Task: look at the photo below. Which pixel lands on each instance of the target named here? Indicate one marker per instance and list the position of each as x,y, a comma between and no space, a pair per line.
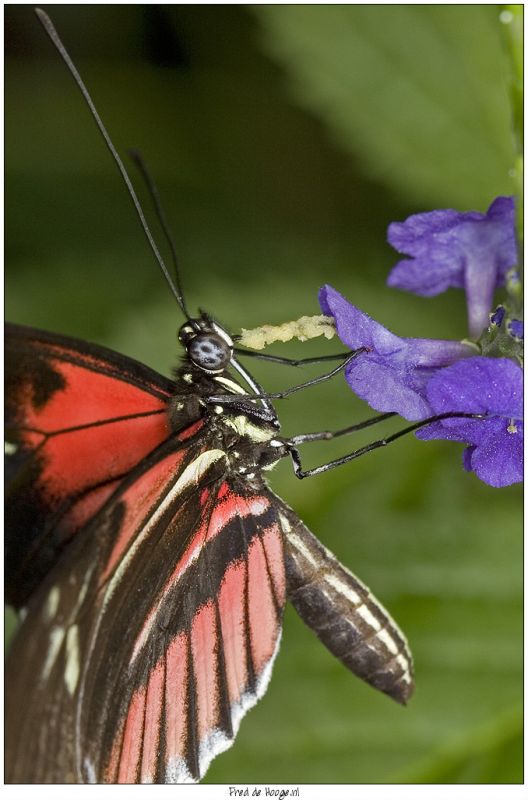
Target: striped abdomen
343,613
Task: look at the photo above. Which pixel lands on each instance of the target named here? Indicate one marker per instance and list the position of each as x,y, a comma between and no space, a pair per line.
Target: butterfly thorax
249,446
242,428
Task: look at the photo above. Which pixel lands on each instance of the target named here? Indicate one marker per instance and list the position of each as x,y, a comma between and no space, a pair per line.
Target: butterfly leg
304,438
287,392
292,362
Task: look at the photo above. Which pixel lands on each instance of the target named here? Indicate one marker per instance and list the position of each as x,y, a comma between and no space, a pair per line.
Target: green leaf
416,93
492,753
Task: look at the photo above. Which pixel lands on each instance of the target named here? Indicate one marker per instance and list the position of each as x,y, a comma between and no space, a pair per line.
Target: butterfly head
209,347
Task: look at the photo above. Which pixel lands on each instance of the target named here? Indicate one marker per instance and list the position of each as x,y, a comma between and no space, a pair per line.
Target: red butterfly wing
152,633
78,418
143,649
219,609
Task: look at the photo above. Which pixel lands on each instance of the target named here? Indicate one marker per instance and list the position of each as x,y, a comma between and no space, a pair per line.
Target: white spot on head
71,673
180,406
218,409
188,378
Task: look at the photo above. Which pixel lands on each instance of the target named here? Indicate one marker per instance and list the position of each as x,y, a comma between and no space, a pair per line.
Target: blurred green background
284,139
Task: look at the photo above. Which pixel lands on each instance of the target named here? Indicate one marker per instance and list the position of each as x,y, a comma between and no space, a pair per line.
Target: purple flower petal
492,386
354,327
443,271
461,250
499,459
497,316
394,374
384,388
516,329
478,385
461,429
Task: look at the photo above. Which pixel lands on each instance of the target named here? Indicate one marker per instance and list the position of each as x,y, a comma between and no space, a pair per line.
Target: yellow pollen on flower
512,427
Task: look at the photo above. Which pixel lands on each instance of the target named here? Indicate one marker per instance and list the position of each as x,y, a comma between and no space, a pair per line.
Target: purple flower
470,251
516,329
497,316
393,374
479,385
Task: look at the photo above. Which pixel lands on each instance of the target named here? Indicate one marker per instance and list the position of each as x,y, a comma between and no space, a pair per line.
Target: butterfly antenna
54,36
140,163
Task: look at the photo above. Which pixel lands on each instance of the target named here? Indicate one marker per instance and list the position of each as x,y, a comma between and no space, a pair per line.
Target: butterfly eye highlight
209,352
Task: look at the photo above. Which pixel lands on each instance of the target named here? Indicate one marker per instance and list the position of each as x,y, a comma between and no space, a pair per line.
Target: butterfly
151,562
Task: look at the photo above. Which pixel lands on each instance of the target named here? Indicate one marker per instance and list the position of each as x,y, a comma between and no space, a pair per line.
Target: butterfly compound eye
209,351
